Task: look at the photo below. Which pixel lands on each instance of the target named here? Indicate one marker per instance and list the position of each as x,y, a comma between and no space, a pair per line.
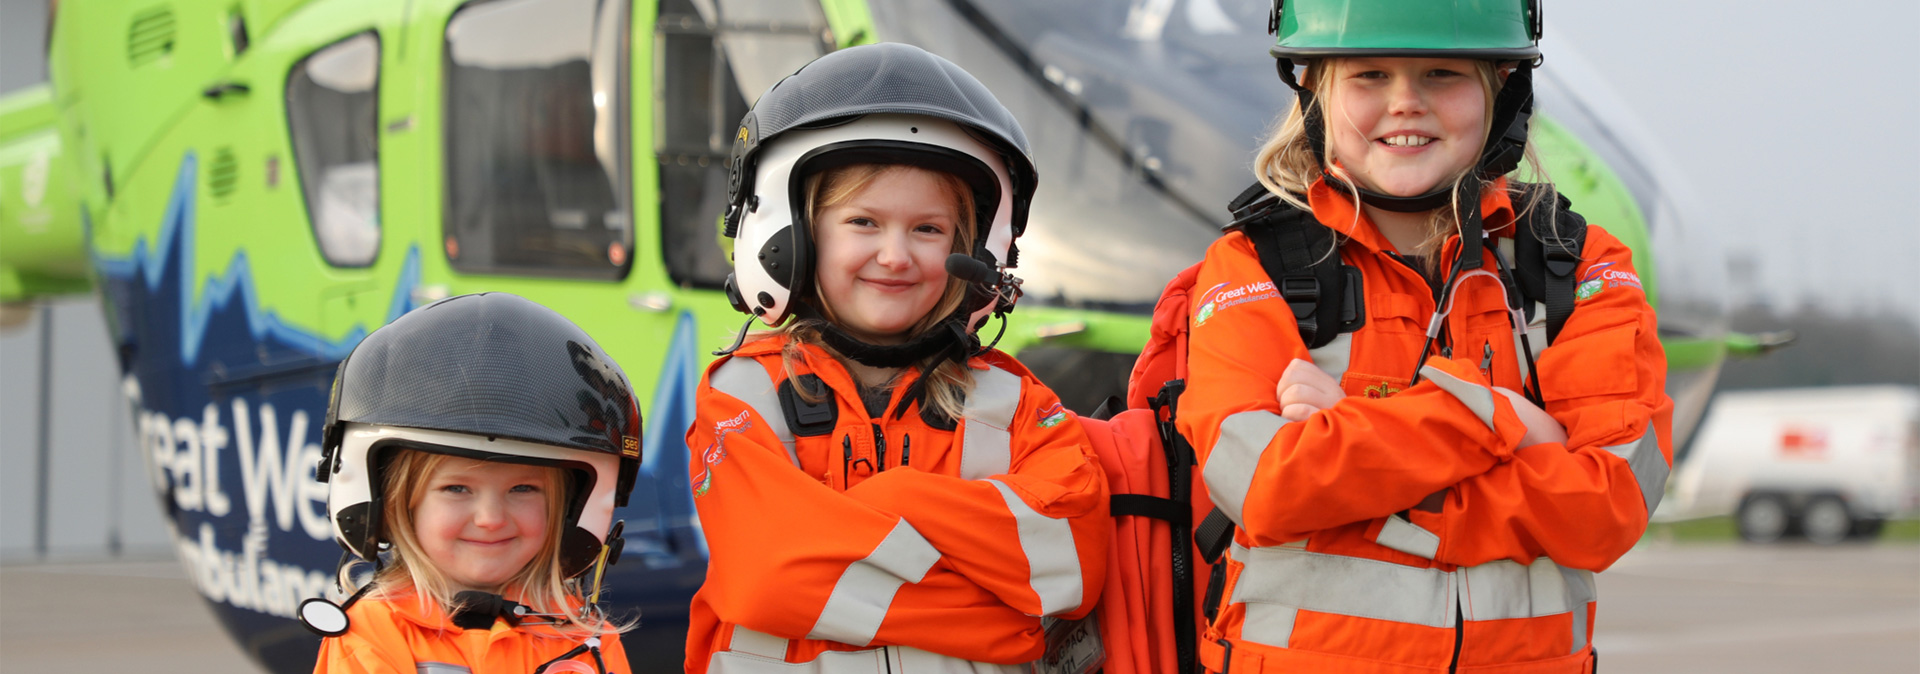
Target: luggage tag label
1073,647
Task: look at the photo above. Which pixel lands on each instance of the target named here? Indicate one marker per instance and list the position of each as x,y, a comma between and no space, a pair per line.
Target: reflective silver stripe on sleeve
1333,358
1052,560
757,643
1649,466
439,668
744,379
890,660
1476,397
986,448
1353,586
1506,589
1229,471
1579,628
1344,585
910,660
1269,624
1408,537
860,598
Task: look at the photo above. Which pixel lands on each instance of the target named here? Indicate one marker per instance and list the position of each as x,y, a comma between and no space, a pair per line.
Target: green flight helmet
1495,30
1506,31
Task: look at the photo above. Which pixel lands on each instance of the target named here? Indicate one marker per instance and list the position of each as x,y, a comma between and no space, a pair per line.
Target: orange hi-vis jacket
855,544
396,636
1336,565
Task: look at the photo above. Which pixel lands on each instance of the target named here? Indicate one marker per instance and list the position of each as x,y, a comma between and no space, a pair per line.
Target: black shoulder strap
1299,256
1547,253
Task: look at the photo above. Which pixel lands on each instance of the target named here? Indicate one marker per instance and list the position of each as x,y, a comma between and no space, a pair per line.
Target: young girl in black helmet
475,451
1423,485
879,492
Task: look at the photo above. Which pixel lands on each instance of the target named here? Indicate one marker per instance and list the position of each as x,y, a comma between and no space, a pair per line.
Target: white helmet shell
774,254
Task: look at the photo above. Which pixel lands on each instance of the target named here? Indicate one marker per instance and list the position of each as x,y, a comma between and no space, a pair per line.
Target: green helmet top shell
1475,29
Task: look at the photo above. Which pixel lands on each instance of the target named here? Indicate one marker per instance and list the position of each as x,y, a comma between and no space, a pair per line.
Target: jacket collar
816,360
427,614
1334,209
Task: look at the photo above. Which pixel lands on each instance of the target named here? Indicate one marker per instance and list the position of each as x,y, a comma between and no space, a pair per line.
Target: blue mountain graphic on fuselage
174,252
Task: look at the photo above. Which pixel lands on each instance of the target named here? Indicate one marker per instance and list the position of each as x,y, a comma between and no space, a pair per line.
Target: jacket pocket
1593,364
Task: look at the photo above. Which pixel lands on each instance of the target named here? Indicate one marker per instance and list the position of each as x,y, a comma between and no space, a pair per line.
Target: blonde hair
947,384
541,586
1286,165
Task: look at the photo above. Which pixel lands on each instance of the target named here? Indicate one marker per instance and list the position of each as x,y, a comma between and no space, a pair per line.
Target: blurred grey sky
1794,123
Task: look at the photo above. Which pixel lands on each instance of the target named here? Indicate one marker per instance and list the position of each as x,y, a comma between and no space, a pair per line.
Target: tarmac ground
1695,608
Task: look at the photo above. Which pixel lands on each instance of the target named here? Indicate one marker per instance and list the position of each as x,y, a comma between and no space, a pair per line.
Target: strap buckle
1302,293
1562,254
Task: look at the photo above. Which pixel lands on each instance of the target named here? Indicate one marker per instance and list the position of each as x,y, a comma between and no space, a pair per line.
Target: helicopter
252,186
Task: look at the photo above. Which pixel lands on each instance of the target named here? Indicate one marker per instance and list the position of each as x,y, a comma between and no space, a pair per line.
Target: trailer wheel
1763,518
1826,520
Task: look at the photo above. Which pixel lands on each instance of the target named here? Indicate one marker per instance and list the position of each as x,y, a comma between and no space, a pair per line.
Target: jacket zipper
1459,637
880,446
906,446
846,461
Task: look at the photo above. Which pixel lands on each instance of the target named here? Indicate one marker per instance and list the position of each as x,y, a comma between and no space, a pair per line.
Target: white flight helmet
874,104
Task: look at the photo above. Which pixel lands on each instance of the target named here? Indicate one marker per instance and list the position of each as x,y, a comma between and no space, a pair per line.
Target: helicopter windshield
1144,117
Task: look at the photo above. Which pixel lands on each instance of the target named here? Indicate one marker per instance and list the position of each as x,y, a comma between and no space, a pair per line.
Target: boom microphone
968,269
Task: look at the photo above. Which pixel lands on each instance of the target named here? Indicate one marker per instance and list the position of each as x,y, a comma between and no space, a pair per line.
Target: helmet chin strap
1505,147
943,337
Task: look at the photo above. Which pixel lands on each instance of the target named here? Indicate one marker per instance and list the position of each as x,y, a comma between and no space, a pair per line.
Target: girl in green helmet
1432,489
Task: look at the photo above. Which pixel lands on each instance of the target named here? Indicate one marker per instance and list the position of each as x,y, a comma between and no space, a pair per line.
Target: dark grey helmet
490,376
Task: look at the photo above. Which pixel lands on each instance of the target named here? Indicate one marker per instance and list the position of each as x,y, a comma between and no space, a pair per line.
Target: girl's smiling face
481,522
1402,126
882,252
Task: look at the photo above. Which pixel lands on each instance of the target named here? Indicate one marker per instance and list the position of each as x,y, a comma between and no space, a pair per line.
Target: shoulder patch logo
716,453
1603,276
1052,416
1218,298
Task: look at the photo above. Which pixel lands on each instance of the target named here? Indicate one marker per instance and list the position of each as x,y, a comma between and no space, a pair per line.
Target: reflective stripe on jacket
1334,568
849,546
396,636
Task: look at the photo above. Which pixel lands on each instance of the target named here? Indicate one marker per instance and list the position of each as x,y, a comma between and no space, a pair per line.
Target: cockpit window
536,139
331,104
716,58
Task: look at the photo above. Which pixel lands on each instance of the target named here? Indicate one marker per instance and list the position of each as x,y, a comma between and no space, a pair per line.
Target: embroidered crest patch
1601,277
1381,390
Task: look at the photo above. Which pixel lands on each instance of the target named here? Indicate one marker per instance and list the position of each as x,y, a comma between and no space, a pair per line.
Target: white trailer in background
1825,463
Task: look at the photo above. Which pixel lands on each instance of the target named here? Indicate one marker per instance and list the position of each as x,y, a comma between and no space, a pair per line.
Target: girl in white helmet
878,491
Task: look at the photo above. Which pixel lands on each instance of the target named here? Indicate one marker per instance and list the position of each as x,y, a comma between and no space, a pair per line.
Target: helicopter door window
535,146
330,106
716,57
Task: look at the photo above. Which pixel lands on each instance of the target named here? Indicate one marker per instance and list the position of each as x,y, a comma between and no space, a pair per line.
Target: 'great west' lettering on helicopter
252,187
